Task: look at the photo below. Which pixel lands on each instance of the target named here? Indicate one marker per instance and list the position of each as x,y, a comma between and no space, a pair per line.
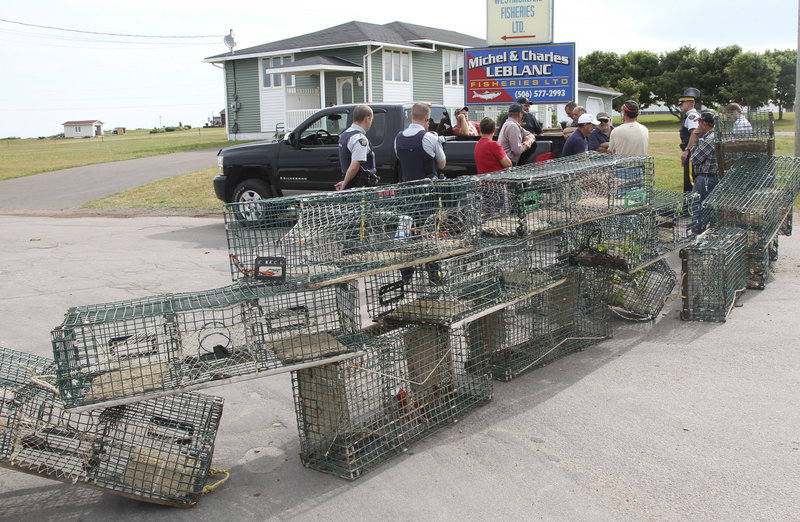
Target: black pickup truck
307,158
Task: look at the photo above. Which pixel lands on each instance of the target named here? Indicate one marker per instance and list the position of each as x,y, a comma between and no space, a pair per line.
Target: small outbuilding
83,128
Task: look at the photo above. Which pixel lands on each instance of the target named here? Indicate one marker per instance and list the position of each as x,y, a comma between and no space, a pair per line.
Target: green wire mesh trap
757,264
413,380
320,237
755,195
453,289
640,295
537,330
157,451
714,272
537,197
163,344
754,133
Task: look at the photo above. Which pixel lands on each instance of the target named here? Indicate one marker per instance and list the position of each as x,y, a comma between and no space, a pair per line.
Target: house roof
82,122
588,87
396,34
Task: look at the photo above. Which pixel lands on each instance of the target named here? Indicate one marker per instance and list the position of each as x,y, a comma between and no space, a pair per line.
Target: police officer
691,118
355,151
419,151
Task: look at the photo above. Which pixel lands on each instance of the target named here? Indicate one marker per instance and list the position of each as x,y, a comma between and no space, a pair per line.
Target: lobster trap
531,198
327,236
714,273
157,451
539,329
750,133
453,289
640,295
114,352
757,263
756,195
413,380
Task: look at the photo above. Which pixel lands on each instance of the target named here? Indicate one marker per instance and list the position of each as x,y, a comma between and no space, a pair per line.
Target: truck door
313,160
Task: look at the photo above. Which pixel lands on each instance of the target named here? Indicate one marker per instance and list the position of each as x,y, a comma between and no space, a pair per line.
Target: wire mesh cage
163,344
321,237
453,289
532,198
413,380
673,213
537,330
640,295
714,273
757,262
158,451
739,134
756,195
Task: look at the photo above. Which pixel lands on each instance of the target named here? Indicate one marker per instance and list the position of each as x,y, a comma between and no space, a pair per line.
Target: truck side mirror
291,139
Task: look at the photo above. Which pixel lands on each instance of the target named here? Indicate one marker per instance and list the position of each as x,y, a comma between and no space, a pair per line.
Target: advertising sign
498,75
519,22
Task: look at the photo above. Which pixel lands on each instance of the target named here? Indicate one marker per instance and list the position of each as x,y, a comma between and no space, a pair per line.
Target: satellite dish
229,41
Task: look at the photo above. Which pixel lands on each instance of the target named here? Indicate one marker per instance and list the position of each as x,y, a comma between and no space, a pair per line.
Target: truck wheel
252,189
248,193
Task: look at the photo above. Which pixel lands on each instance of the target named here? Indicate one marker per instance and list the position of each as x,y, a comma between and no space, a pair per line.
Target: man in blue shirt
577,142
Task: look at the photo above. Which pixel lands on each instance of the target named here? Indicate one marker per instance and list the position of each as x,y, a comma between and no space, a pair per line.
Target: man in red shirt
489,155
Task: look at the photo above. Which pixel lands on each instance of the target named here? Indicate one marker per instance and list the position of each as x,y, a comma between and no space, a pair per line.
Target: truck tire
247,194
252,189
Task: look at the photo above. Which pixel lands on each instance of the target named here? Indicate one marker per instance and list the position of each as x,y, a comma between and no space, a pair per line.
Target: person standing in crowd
489,155
704,161
568,108
529,121
513,138
464,126
688,132
420,153
577,111
355,150
577,142
631,137
741,127
598,139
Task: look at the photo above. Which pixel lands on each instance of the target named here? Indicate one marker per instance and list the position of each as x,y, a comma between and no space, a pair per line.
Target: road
70,188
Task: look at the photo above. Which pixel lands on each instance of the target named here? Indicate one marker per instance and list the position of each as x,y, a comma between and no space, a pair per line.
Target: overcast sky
51,76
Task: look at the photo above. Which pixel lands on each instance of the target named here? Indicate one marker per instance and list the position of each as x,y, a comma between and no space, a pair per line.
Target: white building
83,128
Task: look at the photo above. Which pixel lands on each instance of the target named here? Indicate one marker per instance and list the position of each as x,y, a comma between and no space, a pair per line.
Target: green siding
354,55
247,88
377,76
428,81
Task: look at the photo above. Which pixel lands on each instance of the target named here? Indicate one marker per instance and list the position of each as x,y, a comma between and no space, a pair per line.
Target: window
396,66
274,79
453,65
325,130
77,129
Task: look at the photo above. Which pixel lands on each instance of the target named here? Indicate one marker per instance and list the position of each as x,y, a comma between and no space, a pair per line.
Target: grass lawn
29,156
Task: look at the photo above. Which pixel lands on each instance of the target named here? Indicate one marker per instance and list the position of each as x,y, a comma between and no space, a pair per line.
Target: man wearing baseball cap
513,138
631,137
529,121
577,142
464,126
704,161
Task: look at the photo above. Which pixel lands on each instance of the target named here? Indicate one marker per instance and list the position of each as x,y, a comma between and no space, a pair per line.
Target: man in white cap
577,142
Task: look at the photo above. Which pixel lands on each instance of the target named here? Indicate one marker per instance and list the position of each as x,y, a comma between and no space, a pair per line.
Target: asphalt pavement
71,188
669,420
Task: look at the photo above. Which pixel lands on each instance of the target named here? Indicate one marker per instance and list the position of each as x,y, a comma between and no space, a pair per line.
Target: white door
344,90
594,105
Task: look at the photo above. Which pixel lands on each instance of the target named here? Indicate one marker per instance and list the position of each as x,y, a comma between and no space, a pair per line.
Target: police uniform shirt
691,121
358,145
430,143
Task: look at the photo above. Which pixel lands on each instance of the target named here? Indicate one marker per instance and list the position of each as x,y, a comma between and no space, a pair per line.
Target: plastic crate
714,273
116,352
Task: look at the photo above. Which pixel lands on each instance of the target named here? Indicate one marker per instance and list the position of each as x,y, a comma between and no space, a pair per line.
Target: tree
678,71
752,79
631,90
784,94
639,68
712,78
599,68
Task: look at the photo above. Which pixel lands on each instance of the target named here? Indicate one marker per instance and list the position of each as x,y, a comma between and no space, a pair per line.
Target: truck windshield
438,116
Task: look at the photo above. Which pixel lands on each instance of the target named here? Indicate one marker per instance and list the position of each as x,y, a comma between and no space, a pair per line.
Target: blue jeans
703,185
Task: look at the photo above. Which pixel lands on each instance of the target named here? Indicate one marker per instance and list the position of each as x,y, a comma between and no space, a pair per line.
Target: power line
110,34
